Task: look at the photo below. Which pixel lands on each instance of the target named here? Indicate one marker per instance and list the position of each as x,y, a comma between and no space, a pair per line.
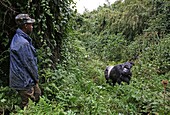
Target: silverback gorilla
118,73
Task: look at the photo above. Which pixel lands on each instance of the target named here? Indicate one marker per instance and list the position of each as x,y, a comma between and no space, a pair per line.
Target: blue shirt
23,62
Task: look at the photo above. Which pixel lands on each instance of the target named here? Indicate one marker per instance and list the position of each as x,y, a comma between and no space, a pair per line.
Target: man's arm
27,57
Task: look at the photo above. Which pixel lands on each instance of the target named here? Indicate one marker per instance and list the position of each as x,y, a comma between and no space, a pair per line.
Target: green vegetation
74,49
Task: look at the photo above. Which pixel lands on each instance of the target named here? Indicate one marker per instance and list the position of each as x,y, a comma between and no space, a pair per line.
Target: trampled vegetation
73,51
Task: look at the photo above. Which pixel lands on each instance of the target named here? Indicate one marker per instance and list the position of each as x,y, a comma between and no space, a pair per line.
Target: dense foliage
126,30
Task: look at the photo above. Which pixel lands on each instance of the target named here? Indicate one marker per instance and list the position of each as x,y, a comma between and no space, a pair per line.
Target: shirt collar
22,33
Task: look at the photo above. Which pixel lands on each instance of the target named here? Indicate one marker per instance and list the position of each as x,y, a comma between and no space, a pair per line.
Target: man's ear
25,26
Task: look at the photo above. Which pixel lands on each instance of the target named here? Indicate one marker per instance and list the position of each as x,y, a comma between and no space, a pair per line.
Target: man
23,62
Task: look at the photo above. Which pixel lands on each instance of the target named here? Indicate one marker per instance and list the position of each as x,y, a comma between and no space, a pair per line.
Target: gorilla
118,73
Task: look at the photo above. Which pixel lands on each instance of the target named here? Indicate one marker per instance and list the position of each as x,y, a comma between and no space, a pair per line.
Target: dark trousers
33,93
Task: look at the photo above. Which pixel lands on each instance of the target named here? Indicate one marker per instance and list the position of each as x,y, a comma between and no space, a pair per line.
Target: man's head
25,22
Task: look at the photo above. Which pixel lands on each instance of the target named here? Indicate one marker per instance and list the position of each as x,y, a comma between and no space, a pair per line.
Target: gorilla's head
128,65
127,68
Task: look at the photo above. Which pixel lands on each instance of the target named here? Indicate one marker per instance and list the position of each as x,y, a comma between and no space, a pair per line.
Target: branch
7,6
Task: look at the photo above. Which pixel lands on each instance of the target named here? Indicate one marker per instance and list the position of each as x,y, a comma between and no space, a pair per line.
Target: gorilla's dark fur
118,73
